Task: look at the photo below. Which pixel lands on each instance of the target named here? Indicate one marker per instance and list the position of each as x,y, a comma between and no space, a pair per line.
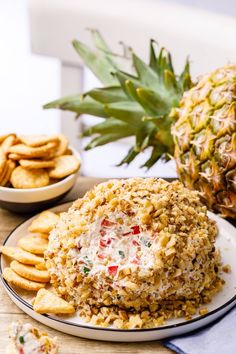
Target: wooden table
68,344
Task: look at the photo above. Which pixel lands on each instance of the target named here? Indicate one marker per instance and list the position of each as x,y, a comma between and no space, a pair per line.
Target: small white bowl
35,199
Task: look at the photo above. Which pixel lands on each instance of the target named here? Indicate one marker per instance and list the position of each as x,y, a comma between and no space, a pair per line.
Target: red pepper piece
103,243
127,233
102,233
101,256
107,223
112,270
21,351
135,243
136,230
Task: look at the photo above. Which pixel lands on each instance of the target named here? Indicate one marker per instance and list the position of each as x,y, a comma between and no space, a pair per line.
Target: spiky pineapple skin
205,140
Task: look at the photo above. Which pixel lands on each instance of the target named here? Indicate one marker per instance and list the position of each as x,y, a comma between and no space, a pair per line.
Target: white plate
222,302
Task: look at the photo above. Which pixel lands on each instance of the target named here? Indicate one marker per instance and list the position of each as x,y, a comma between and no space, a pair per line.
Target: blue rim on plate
177,325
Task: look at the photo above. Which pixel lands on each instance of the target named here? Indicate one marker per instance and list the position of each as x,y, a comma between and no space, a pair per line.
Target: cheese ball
134,244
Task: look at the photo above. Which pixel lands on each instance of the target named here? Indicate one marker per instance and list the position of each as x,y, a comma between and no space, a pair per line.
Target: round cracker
11,277
24,179
36,140
44,222
41,266
36,164
8,142
4,172
13,156
35,244
3,137
33,152
30,272
21,255
10,166
3,160
65,165
62,147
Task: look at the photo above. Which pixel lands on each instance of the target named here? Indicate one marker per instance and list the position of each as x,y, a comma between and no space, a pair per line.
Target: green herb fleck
21,340
147,243
88,260
121,253
86,270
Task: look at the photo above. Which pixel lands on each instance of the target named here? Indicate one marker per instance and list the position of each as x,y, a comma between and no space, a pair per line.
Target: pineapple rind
205,139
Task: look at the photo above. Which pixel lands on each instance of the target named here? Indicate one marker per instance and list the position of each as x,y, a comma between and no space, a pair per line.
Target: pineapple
194,123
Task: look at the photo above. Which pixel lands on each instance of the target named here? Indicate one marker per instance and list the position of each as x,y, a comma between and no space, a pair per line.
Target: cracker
47,302
23,178
3,137
10,166
41,266
44,223
8,142
65,166
38,140
11,277
33,152
30,272
4,172
3,160
35,245
41,234
62,147
16,157
36,164
21,255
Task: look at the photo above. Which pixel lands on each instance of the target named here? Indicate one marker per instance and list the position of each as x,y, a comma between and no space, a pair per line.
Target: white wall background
26,81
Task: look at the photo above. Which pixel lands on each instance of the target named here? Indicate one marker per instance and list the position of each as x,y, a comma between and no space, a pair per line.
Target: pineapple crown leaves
132,104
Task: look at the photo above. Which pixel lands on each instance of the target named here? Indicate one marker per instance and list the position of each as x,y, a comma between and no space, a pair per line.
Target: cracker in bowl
22,178
64,166
37,154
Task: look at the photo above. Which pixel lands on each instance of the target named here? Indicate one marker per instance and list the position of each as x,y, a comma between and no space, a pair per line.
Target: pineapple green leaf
157,153
104,139
84,106
97,62
143,135
62,101
185,82
129,157
139,104
164,62
147,75
169,63
153,102
123,77
170,80
131,88
102,46
154,119
108,94
152,56
129,112
111,125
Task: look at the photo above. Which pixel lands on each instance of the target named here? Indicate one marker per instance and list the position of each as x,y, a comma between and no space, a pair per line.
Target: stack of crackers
35,161
27,269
